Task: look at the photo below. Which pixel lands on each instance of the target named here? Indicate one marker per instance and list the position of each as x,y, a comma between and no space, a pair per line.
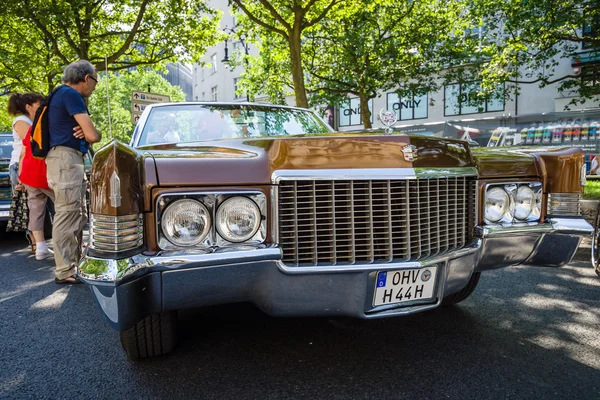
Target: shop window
590,77
350,112
462,99
408,107
591,30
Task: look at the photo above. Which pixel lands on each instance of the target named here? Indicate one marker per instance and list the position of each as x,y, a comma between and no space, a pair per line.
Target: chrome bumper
129,289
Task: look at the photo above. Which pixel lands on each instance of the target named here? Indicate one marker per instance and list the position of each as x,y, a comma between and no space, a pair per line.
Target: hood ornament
115,190
410,152
388,118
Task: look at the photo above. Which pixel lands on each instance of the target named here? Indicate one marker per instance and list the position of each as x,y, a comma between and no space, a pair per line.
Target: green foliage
406,46
592,190
522,41
120,88
40,37
5,118
285,22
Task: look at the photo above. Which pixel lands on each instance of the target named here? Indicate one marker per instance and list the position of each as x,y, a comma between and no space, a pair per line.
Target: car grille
335,222
115,234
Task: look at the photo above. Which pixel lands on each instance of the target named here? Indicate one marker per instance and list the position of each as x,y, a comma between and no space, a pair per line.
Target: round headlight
496,204
185,222
524,202
238,219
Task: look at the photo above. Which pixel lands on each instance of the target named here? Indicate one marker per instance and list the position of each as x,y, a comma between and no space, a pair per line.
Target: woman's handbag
18,219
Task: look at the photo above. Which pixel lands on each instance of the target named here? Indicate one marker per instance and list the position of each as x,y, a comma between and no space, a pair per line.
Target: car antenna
108,99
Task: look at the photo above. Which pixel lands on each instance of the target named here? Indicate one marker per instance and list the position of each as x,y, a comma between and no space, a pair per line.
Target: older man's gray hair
76,71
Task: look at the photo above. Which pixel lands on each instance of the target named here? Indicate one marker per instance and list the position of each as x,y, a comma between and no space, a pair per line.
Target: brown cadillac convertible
215,203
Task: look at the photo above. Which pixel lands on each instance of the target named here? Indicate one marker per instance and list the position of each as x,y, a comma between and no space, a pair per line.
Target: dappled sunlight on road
555,308
7,295
55,300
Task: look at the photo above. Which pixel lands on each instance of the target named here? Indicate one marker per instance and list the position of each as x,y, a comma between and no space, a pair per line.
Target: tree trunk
297,70
365,114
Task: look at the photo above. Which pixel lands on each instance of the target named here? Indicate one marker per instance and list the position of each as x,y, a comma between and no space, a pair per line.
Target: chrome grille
564,204
373,221
114,234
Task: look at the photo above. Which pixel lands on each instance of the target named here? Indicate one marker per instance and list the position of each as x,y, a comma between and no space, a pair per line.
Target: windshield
6,146
195,122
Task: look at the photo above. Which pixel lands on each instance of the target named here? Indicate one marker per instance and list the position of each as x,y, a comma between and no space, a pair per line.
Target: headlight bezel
512,190
211,200
205,231
220,229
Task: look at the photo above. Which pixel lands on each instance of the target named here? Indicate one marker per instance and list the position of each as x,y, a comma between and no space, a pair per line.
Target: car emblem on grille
410,152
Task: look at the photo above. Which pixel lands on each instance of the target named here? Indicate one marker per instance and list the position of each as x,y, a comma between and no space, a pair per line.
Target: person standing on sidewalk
23,107
70,131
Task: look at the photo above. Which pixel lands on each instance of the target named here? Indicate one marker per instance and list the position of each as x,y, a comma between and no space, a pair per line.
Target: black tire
464,293
153,336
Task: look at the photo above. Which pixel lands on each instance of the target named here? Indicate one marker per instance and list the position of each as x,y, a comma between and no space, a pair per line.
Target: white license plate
4,213
392,287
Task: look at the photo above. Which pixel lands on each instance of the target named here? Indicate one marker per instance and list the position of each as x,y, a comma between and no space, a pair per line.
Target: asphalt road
526,333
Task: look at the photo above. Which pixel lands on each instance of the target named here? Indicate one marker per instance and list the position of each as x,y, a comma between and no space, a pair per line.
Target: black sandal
69,280
31,240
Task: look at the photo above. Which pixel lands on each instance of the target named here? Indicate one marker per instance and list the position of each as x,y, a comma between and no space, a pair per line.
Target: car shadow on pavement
527,341
526,332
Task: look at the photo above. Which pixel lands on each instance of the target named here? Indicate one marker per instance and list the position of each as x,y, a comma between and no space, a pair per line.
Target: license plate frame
404,285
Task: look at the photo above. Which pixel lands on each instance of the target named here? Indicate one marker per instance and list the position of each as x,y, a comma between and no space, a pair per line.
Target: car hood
253,161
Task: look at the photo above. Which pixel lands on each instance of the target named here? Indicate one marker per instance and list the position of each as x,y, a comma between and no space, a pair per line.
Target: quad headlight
185,222
513,203
238,219
211,220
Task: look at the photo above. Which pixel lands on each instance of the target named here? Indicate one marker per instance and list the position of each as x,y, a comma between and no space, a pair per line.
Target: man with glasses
71,131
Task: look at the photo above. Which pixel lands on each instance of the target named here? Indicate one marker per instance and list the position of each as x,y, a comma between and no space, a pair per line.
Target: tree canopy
40,37
290,19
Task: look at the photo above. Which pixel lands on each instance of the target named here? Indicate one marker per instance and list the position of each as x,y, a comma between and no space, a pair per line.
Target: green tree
522,42
290,19
382,46
120,87
40,37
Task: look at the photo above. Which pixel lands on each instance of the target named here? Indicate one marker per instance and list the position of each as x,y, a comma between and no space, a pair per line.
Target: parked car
6,146
230,203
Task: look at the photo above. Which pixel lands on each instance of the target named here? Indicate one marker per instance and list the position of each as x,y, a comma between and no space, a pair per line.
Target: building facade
180,75
218,82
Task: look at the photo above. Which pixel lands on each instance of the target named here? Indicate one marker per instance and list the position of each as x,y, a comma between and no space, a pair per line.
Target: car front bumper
129,289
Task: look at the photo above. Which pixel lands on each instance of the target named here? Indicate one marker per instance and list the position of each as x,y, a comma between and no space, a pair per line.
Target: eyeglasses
94,79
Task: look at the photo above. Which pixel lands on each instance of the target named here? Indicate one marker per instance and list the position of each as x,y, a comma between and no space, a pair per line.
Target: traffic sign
139,101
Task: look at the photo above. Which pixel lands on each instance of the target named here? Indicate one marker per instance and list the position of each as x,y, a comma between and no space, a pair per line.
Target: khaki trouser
67,179
36,201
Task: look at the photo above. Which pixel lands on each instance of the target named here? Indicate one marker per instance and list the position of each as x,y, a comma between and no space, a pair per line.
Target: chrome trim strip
380,266
370,173
572,226
92,269
431,173
342,174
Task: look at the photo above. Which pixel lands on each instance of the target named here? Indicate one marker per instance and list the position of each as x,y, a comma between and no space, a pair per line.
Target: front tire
464,293
153,336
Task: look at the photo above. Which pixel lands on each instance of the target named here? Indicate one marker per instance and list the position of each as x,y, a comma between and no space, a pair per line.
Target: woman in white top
23,106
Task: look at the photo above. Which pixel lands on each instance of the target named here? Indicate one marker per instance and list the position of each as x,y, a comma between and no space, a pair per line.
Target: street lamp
242,39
